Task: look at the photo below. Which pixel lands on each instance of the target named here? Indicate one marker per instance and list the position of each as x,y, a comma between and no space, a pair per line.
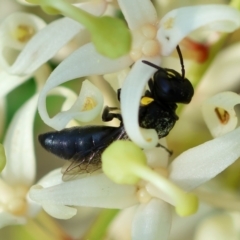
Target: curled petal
116,79
131,93
87,106
219,114
178,23
138,12
200,164
19,146
93,191
152,221
90,102
7,219
60,211
83,62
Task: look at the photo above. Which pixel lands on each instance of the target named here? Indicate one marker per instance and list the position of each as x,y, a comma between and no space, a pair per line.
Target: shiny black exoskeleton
84,145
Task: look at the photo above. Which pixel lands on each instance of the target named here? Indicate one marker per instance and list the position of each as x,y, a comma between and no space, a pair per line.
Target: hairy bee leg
170,152
108,116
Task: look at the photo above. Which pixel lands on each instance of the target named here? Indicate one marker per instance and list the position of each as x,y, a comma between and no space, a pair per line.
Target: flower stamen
89,104
23,33
222,115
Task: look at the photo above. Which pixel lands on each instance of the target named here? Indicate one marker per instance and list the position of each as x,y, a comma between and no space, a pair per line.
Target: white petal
83,62
9,82
77,111
219,114
52,178
186,226
19,146
44,45
88,90
138,12
60,211
178,23
93,191
7,219
24,2
120,227
131,93
152,221
225,66
199,164
116,79
96,8
33,208
157,157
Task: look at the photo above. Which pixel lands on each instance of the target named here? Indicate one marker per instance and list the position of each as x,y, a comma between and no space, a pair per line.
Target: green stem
185,203
99,228
68,10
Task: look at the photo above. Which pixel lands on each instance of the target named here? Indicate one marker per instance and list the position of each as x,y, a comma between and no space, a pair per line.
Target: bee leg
118,94
170,152
108,116
149,92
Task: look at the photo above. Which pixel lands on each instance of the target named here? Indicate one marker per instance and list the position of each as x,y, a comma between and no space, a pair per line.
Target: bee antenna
181,61
152,65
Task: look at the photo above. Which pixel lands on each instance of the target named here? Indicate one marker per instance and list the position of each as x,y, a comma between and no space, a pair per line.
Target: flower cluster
134,173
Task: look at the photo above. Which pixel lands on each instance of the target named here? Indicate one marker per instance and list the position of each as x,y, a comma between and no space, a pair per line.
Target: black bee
84,145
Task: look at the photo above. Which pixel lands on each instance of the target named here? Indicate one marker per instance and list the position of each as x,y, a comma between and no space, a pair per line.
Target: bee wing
81,167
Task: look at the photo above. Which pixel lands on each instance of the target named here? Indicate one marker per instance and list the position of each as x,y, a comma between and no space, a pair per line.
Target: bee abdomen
59,143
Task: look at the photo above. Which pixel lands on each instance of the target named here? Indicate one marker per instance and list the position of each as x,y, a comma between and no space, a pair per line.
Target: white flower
19,173
152,219
98,191
220,225
15,32
151,41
